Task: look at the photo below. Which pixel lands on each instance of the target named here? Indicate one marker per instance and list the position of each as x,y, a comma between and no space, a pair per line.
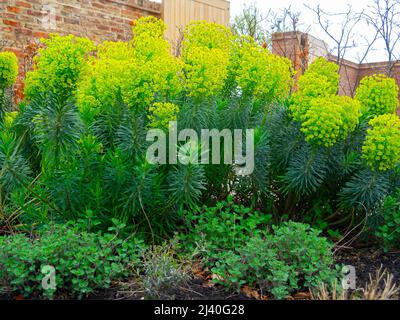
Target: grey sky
308,19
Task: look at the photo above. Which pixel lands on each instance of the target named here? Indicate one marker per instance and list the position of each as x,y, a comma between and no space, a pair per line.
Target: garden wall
23,22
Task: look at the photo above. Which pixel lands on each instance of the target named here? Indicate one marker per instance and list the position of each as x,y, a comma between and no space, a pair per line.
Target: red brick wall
23,22
351,74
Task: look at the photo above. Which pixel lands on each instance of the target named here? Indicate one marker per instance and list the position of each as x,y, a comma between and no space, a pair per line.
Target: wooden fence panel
178,13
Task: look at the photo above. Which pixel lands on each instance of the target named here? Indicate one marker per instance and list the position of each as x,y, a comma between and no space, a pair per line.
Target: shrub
83,262
381,149
8,69
378,95
320,79
389,230
223,227
293,257
58,66
207,35
235,243
206,70
102,81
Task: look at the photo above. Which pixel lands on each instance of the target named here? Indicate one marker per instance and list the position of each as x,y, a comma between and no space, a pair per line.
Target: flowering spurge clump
378,95
162,114
8,69
155,71
330,119
260,73
58,65
101,84
206,54
133,72
320,80
381,149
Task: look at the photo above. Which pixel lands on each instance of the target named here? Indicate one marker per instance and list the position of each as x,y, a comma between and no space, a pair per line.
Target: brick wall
24,22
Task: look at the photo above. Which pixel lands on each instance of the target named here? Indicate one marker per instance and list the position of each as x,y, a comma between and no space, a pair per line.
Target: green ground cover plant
84,262
241,247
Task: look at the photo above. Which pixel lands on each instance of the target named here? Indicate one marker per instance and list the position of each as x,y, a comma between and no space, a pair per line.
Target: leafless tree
285,20
384,17
252,22
345,38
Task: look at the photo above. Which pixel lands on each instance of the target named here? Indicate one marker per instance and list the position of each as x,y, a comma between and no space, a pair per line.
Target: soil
368,261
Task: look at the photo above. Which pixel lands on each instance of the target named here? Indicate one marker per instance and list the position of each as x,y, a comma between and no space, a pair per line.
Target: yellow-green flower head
381,149
115,50
378,95
330,119
161,114
135,72
148,38
159,76
58,65
261,73
206,53
208,35
9,118
101,83
206,71
8,69
319,80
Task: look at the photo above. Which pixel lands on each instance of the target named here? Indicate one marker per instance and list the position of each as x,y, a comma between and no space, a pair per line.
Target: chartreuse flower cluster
260,73
134,72
9,118
8,69
206,71
58,65
206,54
330,119
161,114
207,35
381,149
378,95
148,38
321,79
101,84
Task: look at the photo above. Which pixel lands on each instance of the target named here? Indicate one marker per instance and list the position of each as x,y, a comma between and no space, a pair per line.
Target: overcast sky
308,19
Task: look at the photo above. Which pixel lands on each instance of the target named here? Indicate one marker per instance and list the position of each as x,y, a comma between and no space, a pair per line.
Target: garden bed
103,176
